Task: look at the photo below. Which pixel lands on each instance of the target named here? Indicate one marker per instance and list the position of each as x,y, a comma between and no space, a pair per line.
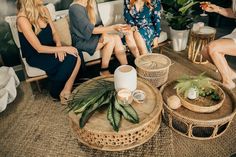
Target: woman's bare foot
64,97
229,85
233,76
104,72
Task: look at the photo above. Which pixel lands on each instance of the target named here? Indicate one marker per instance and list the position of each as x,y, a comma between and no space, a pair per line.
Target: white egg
192,93
174,102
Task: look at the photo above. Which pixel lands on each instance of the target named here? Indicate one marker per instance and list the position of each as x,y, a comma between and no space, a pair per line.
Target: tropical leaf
199,82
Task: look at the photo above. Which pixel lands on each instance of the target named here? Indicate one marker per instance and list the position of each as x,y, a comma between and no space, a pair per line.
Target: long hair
33,12
91,11
147,2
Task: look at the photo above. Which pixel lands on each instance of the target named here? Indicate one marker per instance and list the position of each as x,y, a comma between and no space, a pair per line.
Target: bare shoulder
22,21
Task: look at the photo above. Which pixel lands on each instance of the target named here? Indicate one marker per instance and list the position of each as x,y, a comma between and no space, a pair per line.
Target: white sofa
110,13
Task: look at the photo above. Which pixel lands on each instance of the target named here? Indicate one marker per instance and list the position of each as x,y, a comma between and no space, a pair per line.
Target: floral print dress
147,20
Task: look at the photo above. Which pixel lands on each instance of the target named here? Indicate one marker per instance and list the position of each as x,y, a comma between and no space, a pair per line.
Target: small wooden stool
198,40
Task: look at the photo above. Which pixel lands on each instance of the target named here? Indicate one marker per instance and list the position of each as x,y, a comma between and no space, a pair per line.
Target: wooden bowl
203,104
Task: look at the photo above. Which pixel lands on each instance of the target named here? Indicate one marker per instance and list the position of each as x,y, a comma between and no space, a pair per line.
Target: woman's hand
155,42
210,8
121,27
60,56
71,50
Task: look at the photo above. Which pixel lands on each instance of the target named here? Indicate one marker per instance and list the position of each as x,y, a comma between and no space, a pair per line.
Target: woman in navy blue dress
144,17
41,46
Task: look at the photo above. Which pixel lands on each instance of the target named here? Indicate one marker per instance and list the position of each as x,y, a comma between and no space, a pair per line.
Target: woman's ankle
104,71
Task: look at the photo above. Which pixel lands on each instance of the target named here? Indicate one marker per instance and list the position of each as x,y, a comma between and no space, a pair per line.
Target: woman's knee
212,48
108,39
129,36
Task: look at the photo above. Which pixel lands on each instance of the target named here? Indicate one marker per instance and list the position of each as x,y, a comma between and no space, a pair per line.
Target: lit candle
124,97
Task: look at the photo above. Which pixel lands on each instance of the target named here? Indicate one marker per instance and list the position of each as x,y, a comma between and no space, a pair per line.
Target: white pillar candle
125,77
124,97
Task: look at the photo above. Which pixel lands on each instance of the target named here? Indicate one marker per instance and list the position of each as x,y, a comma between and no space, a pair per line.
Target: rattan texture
195,127
153,68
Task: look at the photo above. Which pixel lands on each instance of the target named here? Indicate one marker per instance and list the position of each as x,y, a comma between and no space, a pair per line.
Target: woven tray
203,105
201,126
99,134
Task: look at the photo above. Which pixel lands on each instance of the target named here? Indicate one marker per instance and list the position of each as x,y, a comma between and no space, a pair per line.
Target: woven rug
40,127
37,126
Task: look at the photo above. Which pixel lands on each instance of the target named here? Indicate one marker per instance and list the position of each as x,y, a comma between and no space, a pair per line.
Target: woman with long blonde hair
88,37
41,46
144,18
215,52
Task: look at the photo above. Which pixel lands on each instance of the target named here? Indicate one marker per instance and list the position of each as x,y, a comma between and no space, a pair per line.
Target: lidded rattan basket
153,68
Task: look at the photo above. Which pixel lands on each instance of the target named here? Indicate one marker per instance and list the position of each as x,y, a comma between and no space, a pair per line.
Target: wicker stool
198,40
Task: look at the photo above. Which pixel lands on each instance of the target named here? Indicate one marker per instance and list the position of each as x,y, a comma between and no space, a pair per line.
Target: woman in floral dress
144,18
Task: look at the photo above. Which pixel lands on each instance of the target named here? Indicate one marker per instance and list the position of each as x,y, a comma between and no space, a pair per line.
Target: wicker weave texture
153,68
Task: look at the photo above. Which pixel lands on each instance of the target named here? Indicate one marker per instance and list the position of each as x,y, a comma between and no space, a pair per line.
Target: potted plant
179,15
7,48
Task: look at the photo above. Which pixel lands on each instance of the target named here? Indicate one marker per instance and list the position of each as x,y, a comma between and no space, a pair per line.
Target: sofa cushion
63,31
32,71
95,56
162,37
111,12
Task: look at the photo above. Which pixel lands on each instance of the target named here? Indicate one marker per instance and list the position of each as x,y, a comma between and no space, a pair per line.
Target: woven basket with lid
153,68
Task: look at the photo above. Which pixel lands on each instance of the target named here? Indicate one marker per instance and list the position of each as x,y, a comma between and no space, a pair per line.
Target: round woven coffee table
99,134
201,126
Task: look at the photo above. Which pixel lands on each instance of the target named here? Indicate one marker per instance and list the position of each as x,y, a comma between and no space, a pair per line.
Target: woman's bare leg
129,38
140,43
107,51
217,53
69,83
120,51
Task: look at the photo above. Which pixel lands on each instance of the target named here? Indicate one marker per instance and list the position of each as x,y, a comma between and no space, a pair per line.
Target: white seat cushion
95,56
32,71
162,37
111,12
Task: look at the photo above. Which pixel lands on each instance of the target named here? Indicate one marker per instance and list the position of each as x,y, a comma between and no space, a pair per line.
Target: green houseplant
179,15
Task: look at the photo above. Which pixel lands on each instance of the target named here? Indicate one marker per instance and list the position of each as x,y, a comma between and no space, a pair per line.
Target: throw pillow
63,30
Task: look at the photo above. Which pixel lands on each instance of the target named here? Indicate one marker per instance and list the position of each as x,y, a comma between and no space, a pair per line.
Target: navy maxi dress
147,20
58,72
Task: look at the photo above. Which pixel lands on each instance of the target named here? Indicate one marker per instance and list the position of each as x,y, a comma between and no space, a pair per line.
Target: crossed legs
108,44
215,52
136,43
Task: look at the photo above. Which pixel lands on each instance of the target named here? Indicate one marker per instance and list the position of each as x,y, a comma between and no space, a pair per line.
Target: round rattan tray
201,126
99,134
203,105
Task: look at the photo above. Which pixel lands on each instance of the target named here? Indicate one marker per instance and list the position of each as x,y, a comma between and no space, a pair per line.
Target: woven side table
99,134
194,125
198,40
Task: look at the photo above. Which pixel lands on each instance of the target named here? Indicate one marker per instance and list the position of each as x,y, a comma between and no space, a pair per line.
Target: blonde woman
88,37
41,46
216,50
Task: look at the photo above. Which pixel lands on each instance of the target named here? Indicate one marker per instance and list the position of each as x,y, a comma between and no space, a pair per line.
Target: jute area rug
40,127
37,126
